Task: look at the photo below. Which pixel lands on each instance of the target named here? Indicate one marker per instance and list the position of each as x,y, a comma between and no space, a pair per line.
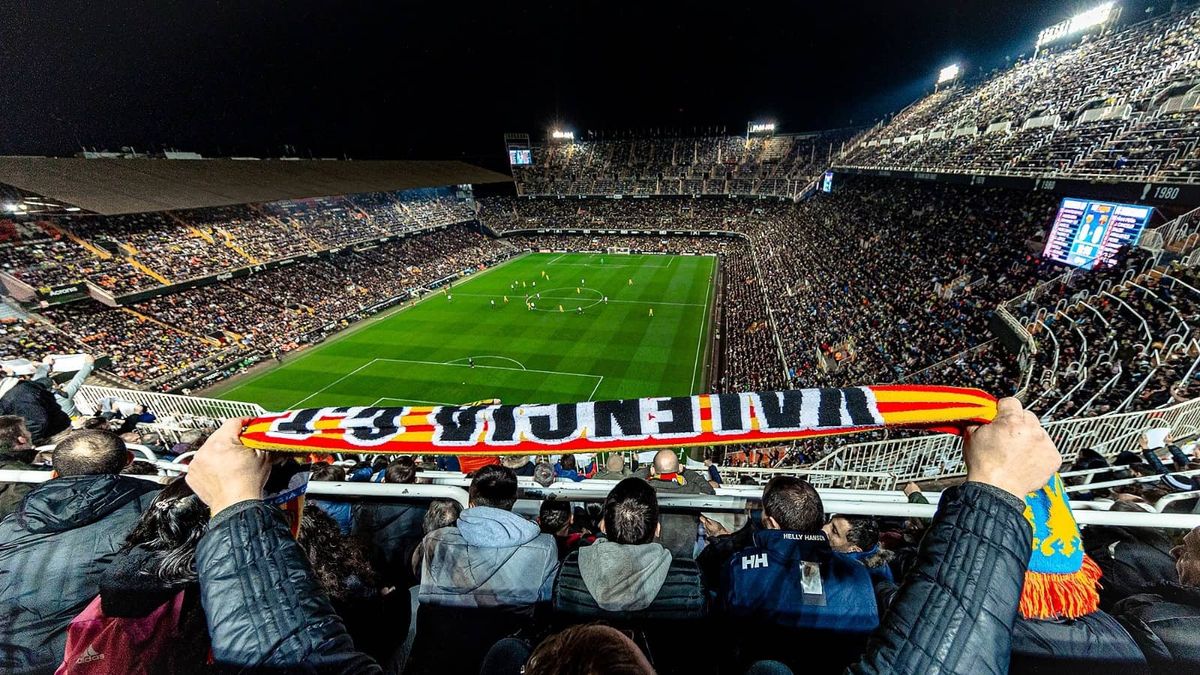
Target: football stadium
403,338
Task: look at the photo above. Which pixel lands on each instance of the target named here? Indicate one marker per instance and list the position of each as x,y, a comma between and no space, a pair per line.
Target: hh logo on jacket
753,562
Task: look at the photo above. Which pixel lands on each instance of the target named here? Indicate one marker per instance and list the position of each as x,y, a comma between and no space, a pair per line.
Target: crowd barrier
734,500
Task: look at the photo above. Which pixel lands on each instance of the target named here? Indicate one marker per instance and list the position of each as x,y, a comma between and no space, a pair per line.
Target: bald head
616,463
91,452
666,461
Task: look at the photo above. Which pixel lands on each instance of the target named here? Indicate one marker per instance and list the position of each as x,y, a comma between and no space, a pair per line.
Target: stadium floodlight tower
760,129
1096,17
562,136
948,74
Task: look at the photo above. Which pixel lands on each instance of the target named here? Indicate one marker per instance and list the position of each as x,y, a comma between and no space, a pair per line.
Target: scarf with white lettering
628,424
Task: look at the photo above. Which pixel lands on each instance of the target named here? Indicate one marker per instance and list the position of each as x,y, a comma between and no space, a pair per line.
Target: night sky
392,80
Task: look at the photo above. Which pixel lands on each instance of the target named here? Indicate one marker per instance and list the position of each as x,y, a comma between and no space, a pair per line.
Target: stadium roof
114,186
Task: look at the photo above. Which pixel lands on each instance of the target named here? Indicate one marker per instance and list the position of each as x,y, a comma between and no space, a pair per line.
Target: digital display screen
827,183
520,157
1087,233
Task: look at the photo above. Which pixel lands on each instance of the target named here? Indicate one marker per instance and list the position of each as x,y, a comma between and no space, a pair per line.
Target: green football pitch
422,354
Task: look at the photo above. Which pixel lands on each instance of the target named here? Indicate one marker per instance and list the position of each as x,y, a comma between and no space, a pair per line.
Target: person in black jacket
1131,558
58,542
33,401
1164,618
16,454
954,613
392,530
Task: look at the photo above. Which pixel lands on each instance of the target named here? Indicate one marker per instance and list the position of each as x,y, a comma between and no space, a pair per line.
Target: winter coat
1094,644
492,558
768,582
1131,559
35,403
1164,622
52,552
956,610
244,561
619,581
129,588
392,530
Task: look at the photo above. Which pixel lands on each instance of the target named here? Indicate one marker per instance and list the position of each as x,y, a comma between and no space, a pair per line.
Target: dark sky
438,79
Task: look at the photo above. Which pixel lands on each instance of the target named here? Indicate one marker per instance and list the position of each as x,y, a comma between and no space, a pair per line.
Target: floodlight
1095,16
562,135
761,127
948,73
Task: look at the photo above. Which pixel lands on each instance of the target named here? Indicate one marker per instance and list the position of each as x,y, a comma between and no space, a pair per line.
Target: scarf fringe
1061,596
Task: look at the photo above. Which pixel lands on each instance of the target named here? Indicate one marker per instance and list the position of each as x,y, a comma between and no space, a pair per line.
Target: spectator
973,561
392,529
679,530
65,394
791,579
338,509
64,534
614,468
33,401
628,574
16,454
520,464
492,557
1130,558
714,473
1163,618
554,519
566,468
154,571
858,537
586,650
543,474
343,571
440,513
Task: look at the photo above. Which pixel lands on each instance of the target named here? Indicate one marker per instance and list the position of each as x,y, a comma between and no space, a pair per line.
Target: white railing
90,397
939,456
848,502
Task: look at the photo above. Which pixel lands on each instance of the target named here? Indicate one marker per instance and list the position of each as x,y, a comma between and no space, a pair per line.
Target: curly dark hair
171,528
340,563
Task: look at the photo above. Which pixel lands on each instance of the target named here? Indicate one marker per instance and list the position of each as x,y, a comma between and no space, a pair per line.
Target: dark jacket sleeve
956,609
264,608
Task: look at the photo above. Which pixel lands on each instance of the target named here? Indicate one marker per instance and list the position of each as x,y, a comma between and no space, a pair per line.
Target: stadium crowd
202,574
129,253
1115,104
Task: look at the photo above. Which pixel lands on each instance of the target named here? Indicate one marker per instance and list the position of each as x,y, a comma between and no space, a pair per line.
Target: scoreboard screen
1087,233
520,157
827,182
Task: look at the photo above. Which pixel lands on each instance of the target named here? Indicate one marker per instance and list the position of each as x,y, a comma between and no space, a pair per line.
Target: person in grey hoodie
492,557
628,575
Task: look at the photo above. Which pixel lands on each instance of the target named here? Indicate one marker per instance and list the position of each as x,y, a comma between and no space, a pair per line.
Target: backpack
139,646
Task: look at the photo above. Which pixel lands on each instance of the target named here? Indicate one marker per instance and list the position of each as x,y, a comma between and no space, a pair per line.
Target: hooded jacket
622,581
52,552
492,558
876,560
11,494
767,582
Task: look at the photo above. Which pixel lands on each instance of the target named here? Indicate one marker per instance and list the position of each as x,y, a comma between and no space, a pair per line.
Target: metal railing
90,397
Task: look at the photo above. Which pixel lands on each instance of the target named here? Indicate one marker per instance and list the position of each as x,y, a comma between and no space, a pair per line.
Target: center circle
593,296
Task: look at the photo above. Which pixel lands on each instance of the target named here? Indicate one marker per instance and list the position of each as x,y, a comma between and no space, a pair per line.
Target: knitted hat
1062,581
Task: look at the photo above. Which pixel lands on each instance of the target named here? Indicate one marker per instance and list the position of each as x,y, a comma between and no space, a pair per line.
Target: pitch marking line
623,302
700,336
412,400
485,356
599,378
